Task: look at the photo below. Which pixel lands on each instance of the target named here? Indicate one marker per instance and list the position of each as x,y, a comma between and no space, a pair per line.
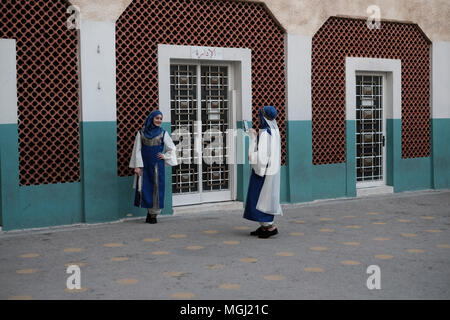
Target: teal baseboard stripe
49,205
350,128
9,176
98,149
440,138
299,161
329,181
402,173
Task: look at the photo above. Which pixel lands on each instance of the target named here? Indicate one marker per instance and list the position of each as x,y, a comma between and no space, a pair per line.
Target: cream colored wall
304,17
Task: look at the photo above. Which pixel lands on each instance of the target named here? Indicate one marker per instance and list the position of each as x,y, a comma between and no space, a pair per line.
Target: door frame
393,110
239,61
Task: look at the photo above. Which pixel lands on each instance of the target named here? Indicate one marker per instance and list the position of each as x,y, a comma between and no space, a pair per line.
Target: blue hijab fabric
150,130
268,112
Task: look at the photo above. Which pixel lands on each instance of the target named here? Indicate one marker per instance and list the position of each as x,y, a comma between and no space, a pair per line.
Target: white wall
8,82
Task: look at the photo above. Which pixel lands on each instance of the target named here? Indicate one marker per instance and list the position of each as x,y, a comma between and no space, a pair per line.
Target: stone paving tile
212,256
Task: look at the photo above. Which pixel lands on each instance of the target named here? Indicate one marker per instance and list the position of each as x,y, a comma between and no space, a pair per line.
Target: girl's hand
160,156
138,171
252,133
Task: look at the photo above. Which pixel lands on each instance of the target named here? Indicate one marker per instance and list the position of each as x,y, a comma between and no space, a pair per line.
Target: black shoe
266,233
257,232
150,219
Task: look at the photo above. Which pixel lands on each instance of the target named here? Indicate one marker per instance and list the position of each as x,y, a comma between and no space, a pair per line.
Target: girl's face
157,120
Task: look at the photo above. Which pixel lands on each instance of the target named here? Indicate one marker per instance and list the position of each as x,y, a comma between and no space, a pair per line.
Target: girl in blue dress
148,162
263,198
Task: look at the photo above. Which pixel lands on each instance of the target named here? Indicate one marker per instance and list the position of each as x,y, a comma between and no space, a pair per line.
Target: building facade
363,103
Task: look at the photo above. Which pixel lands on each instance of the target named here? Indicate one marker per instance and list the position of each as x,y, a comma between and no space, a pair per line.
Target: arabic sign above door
209,53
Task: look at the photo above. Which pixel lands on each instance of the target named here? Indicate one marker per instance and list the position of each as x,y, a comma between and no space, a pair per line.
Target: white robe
265,160
170,156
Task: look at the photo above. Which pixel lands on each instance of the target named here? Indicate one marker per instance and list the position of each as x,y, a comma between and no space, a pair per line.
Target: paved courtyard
322,252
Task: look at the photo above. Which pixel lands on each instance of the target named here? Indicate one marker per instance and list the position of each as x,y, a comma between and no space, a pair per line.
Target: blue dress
254,190
153,175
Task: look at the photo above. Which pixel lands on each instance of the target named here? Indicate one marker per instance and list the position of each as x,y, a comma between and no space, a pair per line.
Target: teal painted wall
98,151
440,141
299,161
9,176
404,174
350,165
49,205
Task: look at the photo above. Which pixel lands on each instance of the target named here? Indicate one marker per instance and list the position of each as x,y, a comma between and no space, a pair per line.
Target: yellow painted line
380,239
427,217
409,235
353,227
444,246
178,236
285,254
298,221
318,248
326,230
174,274
183,295
151,239
242,228
75,290
351,243
349,217
248,260
20,298
326,219
313,269
433,231
230,286
379,223
112,245
159,253
403,220
384,256
372,213
296,234
195,247
73,250
211,231
26,271
127,281
274,277
29,255
215,266
415,250
119,259
350,263
231,242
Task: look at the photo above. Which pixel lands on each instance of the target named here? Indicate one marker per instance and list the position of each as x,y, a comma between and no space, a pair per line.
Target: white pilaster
8,82
441,80
98,70
298,70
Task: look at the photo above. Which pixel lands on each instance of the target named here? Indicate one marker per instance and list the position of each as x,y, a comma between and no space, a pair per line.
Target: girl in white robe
148,161
263,198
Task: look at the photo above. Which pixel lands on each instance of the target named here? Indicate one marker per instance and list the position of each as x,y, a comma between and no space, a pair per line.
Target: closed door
200,117
370,137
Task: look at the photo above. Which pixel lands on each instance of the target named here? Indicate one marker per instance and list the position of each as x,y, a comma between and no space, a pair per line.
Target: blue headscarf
270,113
150,130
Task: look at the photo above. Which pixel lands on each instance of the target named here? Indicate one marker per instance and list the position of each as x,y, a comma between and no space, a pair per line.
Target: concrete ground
322,252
